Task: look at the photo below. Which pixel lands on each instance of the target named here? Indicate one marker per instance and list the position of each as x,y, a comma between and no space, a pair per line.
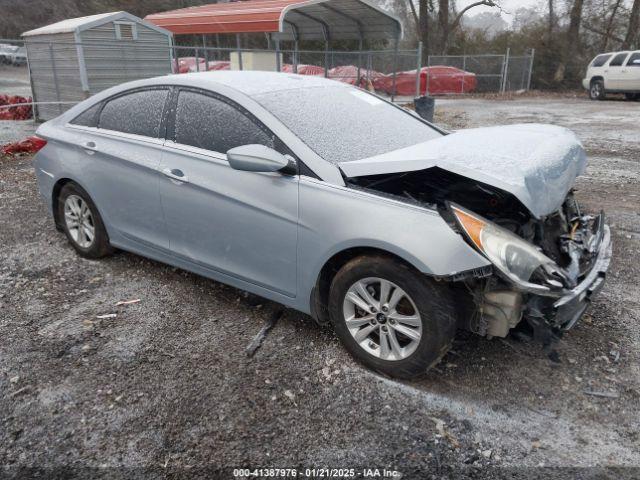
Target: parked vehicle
614,72
311,70
18,57
329,200
190,64
6,50
435,80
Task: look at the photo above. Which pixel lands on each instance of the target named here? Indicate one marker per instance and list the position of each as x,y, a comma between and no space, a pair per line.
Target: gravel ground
165,388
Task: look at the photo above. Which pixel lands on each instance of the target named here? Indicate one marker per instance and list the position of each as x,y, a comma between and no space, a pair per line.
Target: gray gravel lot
165,387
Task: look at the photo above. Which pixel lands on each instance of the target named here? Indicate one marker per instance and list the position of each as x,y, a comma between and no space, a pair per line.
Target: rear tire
405,335
81,222
632,96
596,90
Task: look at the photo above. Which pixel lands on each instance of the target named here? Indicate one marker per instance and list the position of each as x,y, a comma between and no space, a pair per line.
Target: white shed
75,58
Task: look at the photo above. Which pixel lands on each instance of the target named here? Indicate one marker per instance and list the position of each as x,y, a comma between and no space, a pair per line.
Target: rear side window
138,113
208,122
634,60
88,118
600,60
618,60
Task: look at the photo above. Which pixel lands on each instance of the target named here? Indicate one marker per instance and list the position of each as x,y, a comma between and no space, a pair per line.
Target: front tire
632,96
81,222
391,317
596,90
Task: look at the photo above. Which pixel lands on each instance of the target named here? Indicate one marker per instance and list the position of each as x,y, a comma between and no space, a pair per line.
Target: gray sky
509,7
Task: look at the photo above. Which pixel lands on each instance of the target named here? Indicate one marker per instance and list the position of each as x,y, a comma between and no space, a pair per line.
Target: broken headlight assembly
516,259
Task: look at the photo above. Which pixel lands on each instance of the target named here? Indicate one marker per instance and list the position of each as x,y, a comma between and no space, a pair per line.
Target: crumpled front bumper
568,309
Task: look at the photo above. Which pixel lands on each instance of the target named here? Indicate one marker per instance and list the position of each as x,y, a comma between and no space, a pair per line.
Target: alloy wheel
382,318
79,221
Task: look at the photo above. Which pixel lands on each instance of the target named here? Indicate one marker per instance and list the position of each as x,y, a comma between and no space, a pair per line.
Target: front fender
334,219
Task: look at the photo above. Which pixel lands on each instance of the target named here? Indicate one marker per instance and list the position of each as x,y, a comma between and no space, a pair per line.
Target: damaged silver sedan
334,202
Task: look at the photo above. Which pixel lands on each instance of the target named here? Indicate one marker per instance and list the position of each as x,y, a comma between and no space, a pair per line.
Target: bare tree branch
588,27
458,19
414,12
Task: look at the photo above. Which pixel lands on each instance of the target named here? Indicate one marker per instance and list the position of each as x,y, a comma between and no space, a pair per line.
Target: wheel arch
55,195
320,293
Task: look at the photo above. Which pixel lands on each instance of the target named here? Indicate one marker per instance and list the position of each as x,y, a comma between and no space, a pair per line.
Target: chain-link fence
399,74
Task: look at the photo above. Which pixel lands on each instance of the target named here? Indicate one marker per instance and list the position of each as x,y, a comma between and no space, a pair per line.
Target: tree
445,27
631,39
573,44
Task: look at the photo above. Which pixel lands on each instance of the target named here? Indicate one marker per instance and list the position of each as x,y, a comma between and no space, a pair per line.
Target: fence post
278,59
239,45
419,71
427,78
533,52
55,76
197,59
464,68
326,59
395,69
505,71
360,47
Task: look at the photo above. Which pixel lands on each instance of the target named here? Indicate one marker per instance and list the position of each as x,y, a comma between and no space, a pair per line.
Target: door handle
175,174
90,147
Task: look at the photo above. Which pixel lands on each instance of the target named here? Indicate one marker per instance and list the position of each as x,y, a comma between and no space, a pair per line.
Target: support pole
326,59
197,59
360,47
464,68
395,68
239,45
296,47
204,47
533,53
419,72
55,77
506,70
278,58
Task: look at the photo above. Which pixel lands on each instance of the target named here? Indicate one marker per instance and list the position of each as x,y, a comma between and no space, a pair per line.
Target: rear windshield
600,60
344,124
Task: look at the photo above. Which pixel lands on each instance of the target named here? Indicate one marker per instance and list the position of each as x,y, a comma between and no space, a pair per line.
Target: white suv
616,72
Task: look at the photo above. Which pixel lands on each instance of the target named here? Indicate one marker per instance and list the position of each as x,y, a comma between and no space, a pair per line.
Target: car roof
250,83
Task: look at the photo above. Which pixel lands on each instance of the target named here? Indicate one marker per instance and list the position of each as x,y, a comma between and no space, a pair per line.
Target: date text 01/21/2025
315,473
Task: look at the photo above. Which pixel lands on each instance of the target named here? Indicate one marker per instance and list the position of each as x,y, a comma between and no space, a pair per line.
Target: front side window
600,60
618,60
87,118
138,113
634,60
207,122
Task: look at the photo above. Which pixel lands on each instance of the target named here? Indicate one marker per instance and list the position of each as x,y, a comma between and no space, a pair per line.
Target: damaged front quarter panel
502,302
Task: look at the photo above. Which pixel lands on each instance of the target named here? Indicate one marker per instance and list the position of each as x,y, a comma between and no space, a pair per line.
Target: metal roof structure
74,25
286,19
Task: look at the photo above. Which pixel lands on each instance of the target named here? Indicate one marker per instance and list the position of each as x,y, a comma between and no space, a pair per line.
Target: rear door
632,78
615,73
241,224
120,141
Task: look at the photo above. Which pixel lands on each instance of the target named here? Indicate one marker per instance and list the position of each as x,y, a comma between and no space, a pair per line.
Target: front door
615,73
241,224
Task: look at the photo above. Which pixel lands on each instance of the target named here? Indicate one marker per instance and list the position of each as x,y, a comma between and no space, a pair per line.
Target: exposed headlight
514,257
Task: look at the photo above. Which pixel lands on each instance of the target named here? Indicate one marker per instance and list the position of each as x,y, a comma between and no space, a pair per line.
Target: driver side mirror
257,158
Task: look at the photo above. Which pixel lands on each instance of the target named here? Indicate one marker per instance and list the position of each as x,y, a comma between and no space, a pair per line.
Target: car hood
536,163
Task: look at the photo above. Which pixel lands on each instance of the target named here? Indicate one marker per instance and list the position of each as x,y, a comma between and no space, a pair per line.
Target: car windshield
344,124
